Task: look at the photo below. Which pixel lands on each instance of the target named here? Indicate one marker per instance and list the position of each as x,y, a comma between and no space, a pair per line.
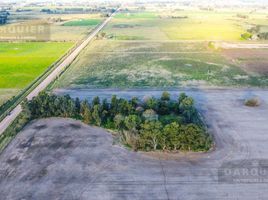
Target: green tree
246,36
134,102
105,105
150,115
114,105
132,123
77,106
83,106
96,101
165,96
96,115
105,110
182,97
151,135
124,107
87,116
188,110
171,133
119,122
151,103
163,108
193,138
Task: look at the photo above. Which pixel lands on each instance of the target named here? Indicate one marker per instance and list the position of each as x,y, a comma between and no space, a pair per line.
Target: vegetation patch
126,37
19,123
125,25
113,64
148,125
83,22
252,102
181,25
136,15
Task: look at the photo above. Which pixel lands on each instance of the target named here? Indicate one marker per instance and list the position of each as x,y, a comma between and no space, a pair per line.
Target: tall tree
96,115
132,122
151,134
171,133
165,96
87,116
119,122
96,101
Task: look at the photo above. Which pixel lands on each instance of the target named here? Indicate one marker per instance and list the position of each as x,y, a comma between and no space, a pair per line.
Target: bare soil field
65,159
251,60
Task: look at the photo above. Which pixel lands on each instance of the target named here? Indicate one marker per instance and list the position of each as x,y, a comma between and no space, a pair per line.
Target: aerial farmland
22,60
134,100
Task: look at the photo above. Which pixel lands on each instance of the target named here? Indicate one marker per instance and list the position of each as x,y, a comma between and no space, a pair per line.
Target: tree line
3,17
148,124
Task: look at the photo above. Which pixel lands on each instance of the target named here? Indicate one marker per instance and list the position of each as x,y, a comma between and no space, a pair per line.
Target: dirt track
225,45
64,159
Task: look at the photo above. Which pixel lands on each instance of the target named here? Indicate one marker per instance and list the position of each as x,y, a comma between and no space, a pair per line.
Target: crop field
21,63
130,64
83,22
136,15
63,27
68,33
183,25
157,49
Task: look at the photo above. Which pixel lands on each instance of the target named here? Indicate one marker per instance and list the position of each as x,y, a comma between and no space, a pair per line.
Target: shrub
246,36
252,102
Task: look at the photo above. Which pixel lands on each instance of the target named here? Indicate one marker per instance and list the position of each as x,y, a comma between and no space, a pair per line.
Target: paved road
5,123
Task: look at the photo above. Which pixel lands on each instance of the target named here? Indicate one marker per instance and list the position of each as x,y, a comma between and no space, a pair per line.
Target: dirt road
14,113
225,45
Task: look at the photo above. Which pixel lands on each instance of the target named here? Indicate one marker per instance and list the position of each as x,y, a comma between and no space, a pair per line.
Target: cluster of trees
148,124
263,36
256,31
3,17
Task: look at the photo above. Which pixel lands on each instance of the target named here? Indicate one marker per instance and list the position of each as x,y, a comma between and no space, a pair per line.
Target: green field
63,27
113,64
136,15
183,25
83,22
145,49
21,63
